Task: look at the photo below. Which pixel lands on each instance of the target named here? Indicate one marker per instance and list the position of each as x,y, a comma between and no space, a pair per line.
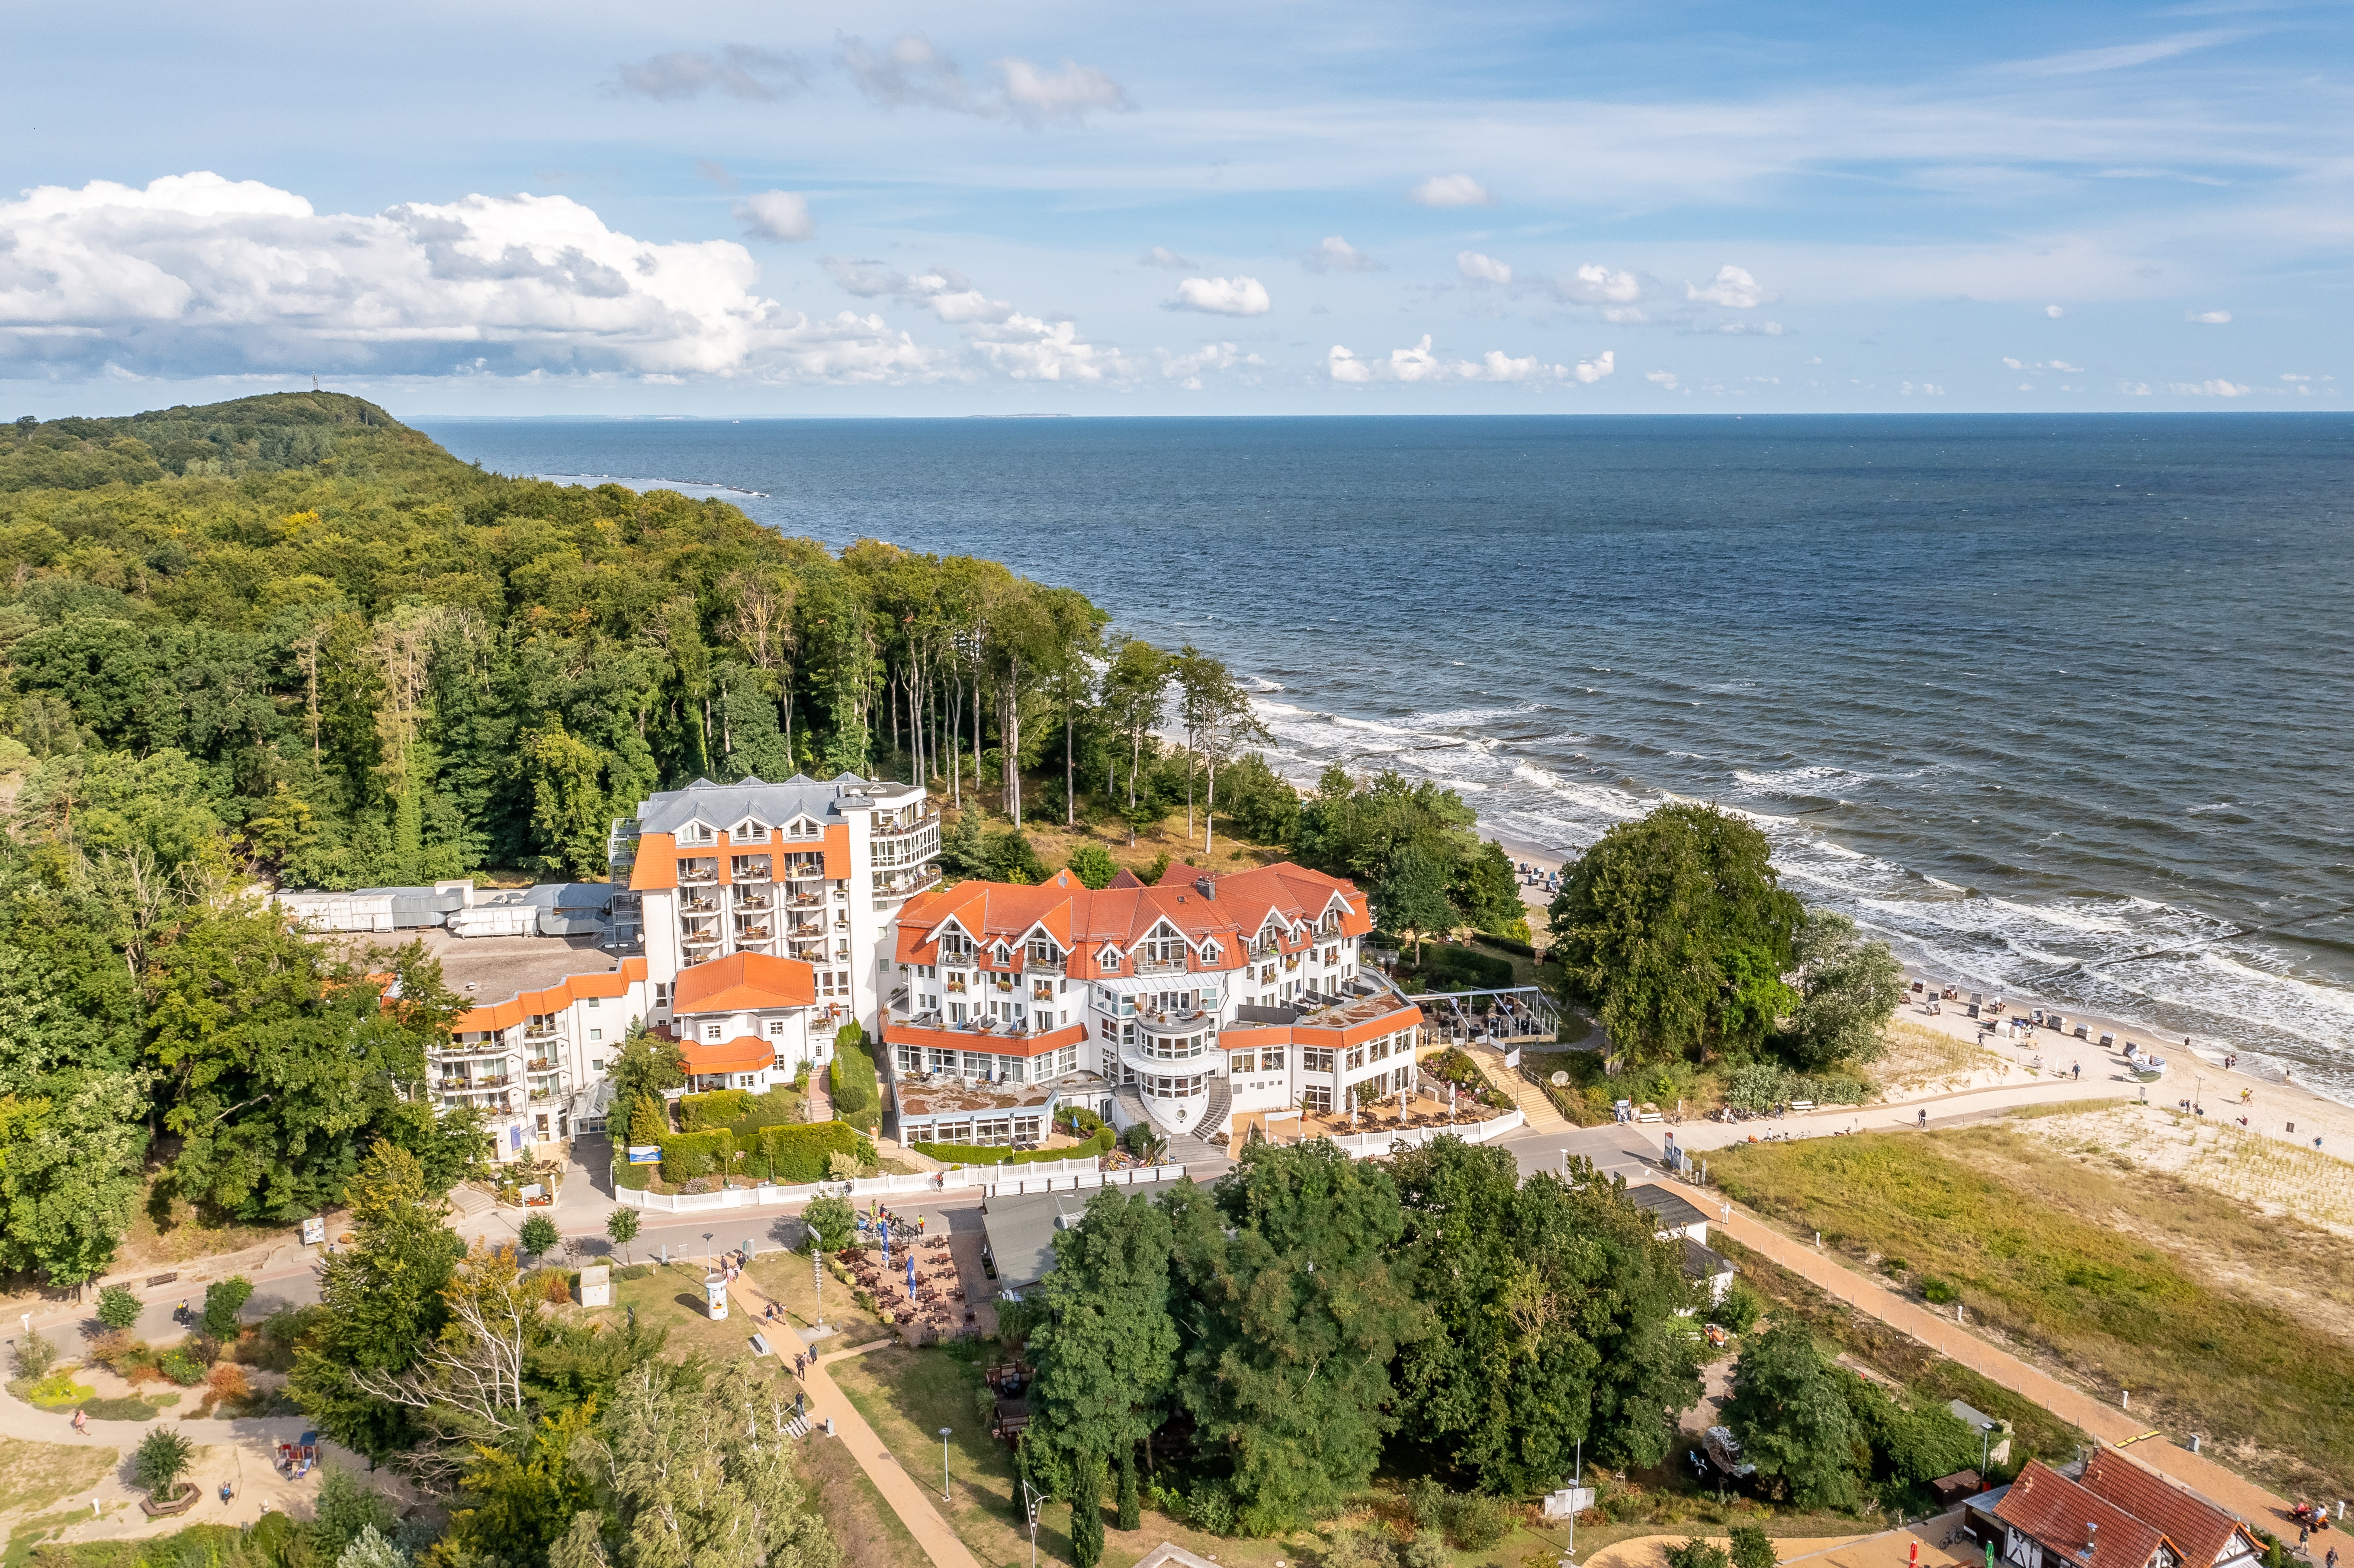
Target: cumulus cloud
1763,329
912,70
1732,288
2059,366
1451,190
1222,297
739,71
1663,379
863,276
1028,348
1334,254
1418,364
2208,390
2208,318
2054,312
1186,369
1478,268
1036,94
1926,389
198,275
782,216
943,291
1161,256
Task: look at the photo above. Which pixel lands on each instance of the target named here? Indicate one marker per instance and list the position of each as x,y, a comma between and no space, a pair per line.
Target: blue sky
1280,208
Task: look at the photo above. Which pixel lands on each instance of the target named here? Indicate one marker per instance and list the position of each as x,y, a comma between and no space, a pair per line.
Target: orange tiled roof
2202,1531
555,998
2054,1512
1230,908
744,1054
1045,1044
744,982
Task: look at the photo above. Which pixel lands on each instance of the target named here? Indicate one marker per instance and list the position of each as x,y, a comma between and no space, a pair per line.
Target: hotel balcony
752,933
540,1065
1160,966
751,900
468,1085
698,873
906,883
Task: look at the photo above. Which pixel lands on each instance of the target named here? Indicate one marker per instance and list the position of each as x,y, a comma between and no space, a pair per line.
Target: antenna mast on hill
314,381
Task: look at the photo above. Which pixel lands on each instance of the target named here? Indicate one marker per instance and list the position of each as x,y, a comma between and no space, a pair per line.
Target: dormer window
1209,953
751,833
696,833
1108,958
1004,954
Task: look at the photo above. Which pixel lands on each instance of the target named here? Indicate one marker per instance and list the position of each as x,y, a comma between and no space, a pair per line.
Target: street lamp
1032,1498
1564,1164
944,1464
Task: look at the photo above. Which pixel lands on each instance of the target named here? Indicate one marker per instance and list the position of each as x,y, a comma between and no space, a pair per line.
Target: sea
2060,708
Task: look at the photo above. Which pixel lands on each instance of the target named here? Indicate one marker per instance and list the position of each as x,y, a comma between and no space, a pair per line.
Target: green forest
287,640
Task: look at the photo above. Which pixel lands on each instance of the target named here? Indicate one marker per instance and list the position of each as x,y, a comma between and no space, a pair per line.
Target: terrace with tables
949,1291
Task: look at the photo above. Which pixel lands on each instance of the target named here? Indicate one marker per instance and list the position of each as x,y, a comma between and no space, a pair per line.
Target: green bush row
686,1155
857,1091
792,1154
1763,1083
974,1154
703,1113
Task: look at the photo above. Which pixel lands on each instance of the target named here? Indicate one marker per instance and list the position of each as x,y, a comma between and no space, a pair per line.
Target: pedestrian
1924,1118
2076,1072
226,1492
81,1424
2302,1532
920,1224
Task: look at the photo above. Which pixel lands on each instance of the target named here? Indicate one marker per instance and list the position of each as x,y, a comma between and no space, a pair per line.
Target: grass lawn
2129,1280
33,1475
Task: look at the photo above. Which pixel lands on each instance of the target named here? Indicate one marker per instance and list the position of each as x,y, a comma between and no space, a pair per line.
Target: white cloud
1036,95
1161,256
2118,56
197,275
1732,288
2054,312
781,215
1663,379
2059,366
863,276
1596,284
739,71
2208,389
912,69
1334,254
1451,190
1926,389
1762,329
1186,369
2208,318
943,291
2012,363
1028,348
1222,297
1419,364
2064,369
1479,269
2293,375
2130,388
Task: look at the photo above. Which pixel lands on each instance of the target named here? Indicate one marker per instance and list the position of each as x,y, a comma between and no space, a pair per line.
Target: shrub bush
796,1155
1211,1509
720,1108
34,1357
117,1307
181,1366
54,1392
160,1460
976,1154
686,1155
1752,1548
1938,1290
636,1177
857,1092
1480,1522
1464,968
222,1298
1077,1120
1696,1553
120,1409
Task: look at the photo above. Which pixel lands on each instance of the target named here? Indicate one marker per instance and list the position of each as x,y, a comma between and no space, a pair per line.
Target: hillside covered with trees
287,640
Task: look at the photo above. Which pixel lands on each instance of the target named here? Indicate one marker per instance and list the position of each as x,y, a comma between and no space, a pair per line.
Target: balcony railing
1160,966
751,901
927,816
706,905
540,1065
470,1086
752,933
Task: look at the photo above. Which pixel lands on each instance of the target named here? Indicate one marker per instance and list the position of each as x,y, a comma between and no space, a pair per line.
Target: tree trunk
976,732
1070,771
956,744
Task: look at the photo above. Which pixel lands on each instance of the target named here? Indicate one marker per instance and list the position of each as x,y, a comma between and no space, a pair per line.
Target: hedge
795,1156
973,1154
636,1177
1479,970
701,1113
1509,945
857,1092
686,1155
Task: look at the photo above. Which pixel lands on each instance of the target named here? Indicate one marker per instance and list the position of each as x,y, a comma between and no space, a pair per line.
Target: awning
1138,985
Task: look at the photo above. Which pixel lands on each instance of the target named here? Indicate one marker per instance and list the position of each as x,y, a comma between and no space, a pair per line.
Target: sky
1307,208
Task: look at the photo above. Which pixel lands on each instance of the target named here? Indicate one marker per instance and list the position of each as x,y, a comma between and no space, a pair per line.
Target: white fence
1373,1145
1039,1176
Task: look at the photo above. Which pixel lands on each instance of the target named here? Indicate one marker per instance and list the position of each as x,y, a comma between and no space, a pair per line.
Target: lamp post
944,1464
707,1254
1030,1498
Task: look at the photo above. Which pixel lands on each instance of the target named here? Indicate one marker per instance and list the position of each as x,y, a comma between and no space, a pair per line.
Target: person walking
2076,1072
1924,1118
81,1424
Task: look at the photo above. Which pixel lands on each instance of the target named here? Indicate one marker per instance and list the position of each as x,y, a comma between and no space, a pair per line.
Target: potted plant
160,1464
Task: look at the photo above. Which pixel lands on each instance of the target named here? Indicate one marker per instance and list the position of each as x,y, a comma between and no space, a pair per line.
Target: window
1356,1057
776,1028
710,1032
1317,1098
1108,958
1270,1061
1242,1062
1316,1059
596,1034
1403,1078
596,1064
661,993
752,833
1068,1062
908,1058
593,1000
1379,1049
696,833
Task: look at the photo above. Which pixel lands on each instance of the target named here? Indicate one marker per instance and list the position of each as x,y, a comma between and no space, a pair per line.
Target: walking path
1542,1115
2098,1420
911,1502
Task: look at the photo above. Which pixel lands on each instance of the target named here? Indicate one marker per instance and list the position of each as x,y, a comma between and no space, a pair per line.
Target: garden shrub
1753,1548
1696,1553
796,1155
118,1307
54,1392
637,1178
1480,1522
1461,968
119,1409
686,1155
976,1154
1939,1291
857,1092
181,1366
1211,1509
720,1108
222,1299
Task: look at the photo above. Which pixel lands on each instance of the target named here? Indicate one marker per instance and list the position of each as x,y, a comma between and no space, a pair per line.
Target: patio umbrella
886,1246
911,1275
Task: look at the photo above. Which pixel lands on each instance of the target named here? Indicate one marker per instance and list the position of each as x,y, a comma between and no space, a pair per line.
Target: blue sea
2031,696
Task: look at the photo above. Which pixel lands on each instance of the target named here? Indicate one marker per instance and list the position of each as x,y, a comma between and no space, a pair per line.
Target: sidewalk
911,1502
2098,1420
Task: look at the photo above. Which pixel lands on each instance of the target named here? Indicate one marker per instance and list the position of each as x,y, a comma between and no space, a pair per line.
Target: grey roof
1249,1014
1704,1263
1664,1205
1022,1233
724,805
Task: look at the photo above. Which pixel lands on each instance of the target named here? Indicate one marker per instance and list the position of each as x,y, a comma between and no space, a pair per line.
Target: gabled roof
2198,1527
744,982
494,1016
744,1054
2054,1512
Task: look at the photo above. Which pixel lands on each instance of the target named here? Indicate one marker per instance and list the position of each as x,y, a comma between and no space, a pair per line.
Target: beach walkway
1540,1110
2096,1418
912,1502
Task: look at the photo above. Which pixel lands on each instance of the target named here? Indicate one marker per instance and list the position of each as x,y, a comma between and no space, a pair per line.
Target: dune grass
2111,1276
33,1475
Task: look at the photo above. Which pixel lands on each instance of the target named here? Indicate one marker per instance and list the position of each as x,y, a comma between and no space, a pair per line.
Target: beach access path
2096,1418
911,1502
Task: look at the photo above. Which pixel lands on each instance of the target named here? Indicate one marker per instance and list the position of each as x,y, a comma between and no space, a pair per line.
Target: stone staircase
1539,1110
472,1203
1184,1148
